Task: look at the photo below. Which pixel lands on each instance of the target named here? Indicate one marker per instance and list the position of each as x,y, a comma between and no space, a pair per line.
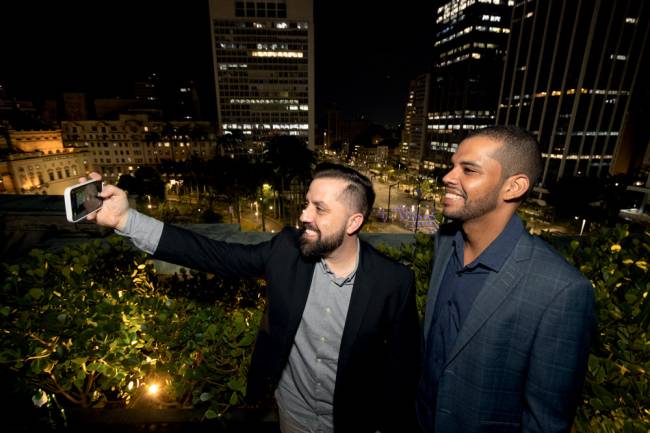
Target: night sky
365,56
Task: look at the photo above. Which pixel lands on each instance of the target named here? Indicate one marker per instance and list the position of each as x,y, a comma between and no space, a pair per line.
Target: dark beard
474,208
321,247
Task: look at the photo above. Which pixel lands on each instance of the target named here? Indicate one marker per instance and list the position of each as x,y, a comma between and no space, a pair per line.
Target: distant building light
286,54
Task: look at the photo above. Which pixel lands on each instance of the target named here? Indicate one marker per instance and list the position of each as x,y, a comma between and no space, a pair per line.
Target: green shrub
617,389
94,325
419,257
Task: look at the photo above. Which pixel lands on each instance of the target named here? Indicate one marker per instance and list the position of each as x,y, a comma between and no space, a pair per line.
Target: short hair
518,154
359,189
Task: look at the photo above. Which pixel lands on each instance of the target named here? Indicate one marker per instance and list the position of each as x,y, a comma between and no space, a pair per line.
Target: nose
448,178
304,215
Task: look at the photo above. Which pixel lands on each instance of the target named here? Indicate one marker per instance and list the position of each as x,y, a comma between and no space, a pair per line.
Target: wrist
122,221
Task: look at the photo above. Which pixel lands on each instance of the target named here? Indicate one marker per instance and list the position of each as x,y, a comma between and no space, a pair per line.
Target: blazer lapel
361,292
497,288
301,285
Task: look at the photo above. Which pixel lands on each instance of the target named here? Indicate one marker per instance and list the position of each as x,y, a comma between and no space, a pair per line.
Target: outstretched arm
177,245
142,230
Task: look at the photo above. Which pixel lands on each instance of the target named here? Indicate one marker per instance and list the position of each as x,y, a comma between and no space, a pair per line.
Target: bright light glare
153,389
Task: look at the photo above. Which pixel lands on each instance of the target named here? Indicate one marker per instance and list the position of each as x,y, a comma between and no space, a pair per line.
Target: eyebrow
318,203
471,164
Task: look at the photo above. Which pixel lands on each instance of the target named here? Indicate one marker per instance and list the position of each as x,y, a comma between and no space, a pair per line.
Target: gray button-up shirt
306,388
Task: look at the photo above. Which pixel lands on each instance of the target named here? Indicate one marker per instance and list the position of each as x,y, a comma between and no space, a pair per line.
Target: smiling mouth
454,195
310,231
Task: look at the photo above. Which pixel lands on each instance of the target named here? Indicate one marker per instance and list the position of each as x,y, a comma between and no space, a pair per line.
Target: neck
342,260
480,232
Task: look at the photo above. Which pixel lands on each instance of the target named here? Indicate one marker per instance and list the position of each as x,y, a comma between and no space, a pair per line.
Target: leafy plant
617,389
419,257
95,326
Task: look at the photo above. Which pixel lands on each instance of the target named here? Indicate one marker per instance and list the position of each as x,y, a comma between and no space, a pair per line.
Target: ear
354,223
515,187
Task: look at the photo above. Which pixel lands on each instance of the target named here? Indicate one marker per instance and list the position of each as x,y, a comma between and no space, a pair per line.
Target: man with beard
339,342
508,321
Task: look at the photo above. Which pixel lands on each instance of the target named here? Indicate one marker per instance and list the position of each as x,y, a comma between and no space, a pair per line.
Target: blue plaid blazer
519,362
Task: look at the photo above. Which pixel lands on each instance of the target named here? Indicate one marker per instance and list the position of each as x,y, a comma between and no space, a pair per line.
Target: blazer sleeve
187,248
558,360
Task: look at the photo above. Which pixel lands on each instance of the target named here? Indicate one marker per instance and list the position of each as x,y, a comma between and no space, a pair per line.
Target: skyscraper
468,54
264,67
414,136
570,71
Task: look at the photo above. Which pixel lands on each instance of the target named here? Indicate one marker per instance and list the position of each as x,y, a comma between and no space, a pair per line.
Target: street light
418,194
389,188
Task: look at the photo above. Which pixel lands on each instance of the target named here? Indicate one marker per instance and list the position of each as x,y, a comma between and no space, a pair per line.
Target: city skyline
363,66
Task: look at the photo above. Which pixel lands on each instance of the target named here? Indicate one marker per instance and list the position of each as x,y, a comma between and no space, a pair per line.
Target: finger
82,179
96,176
108,191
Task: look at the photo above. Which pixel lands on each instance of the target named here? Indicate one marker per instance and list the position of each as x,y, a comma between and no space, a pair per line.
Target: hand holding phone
82,200
114,209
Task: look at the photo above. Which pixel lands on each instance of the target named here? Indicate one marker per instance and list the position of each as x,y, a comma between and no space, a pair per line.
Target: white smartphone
83,199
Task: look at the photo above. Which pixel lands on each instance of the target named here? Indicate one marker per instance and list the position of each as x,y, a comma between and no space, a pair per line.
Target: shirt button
322,339
328,310
318,360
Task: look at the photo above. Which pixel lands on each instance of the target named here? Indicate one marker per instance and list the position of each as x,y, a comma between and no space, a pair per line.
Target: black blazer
379,359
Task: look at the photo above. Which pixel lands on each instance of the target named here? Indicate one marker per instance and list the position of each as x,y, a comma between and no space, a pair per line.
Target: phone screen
85,200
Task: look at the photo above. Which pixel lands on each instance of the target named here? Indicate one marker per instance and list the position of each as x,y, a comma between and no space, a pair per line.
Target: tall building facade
264,67
570,71
186,102
468,52
414,133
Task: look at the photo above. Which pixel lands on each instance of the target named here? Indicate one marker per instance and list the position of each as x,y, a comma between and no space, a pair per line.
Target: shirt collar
495,255
340,281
